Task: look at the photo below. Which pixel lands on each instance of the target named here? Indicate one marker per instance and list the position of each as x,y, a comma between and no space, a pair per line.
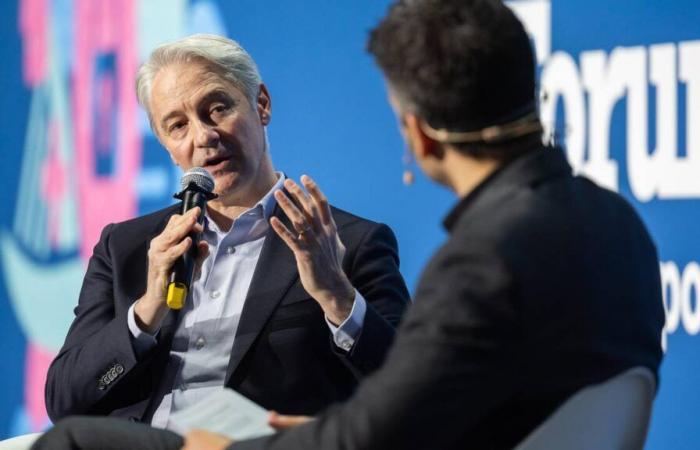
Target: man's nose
205,135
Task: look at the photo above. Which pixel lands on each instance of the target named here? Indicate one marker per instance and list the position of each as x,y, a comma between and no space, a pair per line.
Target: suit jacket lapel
275,272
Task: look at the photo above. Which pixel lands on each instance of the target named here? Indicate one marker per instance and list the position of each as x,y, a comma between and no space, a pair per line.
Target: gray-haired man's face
203,120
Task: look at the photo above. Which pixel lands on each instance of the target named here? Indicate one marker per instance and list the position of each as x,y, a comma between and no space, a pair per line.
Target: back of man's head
460,65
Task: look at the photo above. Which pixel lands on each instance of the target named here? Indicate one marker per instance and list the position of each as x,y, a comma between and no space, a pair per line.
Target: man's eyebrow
167,117
216,94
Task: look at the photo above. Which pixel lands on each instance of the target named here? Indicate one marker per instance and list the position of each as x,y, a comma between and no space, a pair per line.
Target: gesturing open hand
317,247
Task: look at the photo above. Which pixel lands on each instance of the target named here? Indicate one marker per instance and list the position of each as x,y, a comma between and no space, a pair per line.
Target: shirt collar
268,202
264,207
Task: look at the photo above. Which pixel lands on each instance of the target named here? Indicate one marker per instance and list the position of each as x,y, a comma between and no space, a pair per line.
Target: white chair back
23,442
612,415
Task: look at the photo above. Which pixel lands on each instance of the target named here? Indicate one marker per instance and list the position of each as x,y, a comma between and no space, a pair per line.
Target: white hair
225,55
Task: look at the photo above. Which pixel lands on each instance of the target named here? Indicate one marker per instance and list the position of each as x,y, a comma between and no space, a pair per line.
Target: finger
178,250
303,201
299,199
173,219
319,200
177,218
163,239
194,211
283,232
299,221
281,422
178,229
314,213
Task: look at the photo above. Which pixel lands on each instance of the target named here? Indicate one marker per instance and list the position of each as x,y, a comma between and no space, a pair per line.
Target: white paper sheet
225,412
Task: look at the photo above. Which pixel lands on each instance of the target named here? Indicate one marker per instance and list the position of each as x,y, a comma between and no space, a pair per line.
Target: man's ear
423,145
264,105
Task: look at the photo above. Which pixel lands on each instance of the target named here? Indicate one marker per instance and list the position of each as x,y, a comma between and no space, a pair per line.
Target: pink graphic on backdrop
33,25
103,27
83,153
106,89
36,367
33,19
53,176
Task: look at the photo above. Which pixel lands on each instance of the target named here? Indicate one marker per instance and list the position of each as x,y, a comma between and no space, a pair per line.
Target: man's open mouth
216,162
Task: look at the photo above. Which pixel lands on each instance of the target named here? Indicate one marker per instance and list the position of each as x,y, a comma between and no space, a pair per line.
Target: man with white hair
295,300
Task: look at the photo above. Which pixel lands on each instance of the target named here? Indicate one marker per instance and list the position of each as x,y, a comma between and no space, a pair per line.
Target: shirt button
214,294
345,345
200,343
230,250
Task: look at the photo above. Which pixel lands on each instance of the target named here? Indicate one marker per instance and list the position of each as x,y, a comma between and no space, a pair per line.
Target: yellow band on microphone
177,293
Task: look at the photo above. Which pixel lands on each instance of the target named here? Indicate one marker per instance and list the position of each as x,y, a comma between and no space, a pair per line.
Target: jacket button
119,369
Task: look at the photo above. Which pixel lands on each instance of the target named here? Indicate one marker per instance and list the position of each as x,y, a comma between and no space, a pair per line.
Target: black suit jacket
283,355
546,284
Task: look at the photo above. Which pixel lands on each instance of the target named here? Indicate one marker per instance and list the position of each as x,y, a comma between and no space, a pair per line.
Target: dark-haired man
547,283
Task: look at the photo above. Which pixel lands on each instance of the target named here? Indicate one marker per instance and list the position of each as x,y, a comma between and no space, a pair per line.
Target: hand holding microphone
172,254
197,186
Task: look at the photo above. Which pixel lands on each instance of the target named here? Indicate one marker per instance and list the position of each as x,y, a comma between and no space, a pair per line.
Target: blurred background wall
620,89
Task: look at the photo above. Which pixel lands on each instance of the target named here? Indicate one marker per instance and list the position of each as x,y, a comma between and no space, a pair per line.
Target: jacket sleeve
374,272
450,368
96,370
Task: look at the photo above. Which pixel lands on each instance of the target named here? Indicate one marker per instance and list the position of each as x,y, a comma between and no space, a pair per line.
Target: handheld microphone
197,185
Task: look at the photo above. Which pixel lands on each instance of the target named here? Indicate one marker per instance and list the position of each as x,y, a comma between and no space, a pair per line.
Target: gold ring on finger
303,232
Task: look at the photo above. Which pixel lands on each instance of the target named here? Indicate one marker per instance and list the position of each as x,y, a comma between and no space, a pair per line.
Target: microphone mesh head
200,177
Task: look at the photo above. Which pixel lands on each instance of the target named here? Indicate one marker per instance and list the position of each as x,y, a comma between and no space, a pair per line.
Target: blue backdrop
620,88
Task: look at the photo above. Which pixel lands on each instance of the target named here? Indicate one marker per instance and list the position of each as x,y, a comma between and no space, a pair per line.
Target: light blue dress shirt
204,338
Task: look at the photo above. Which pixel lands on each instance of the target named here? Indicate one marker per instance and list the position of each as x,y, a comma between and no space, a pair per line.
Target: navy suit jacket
547,283
283,356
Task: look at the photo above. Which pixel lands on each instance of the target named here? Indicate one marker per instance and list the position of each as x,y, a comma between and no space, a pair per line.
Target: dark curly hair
461,65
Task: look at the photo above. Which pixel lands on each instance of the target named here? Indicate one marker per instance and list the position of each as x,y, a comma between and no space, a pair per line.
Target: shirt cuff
347,332
141,340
